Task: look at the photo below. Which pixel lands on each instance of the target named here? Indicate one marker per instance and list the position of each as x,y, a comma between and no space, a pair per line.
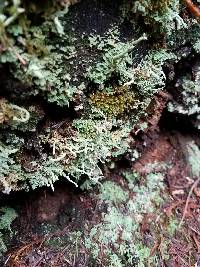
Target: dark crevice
16,199
177,122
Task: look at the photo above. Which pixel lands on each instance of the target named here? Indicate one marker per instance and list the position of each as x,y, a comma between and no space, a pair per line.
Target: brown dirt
168,148
161,150
49,204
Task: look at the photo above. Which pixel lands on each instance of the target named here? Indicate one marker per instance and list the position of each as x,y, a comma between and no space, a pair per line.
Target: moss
116,102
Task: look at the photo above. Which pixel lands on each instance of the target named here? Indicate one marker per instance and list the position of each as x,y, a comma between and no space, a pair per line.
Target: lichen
7,216
188,99
162,15
117,236
12,113
115,60
192,156
97,80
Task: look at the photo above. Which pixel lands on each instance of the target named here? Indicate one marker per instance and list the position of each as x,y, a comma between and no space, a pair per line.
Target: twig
194,230
8,258
188,200
193,8
130,48
19,57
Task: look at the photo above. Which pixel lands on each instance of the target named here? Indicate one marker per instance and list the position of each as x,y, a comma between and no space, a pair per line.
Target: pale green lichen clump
117,236
7,216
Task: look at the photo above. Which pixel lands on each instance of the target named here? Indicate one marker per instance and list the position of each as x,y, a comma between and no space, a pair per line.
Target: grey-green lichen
98,80
115,60
188,101
117,236
7,216
163,16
